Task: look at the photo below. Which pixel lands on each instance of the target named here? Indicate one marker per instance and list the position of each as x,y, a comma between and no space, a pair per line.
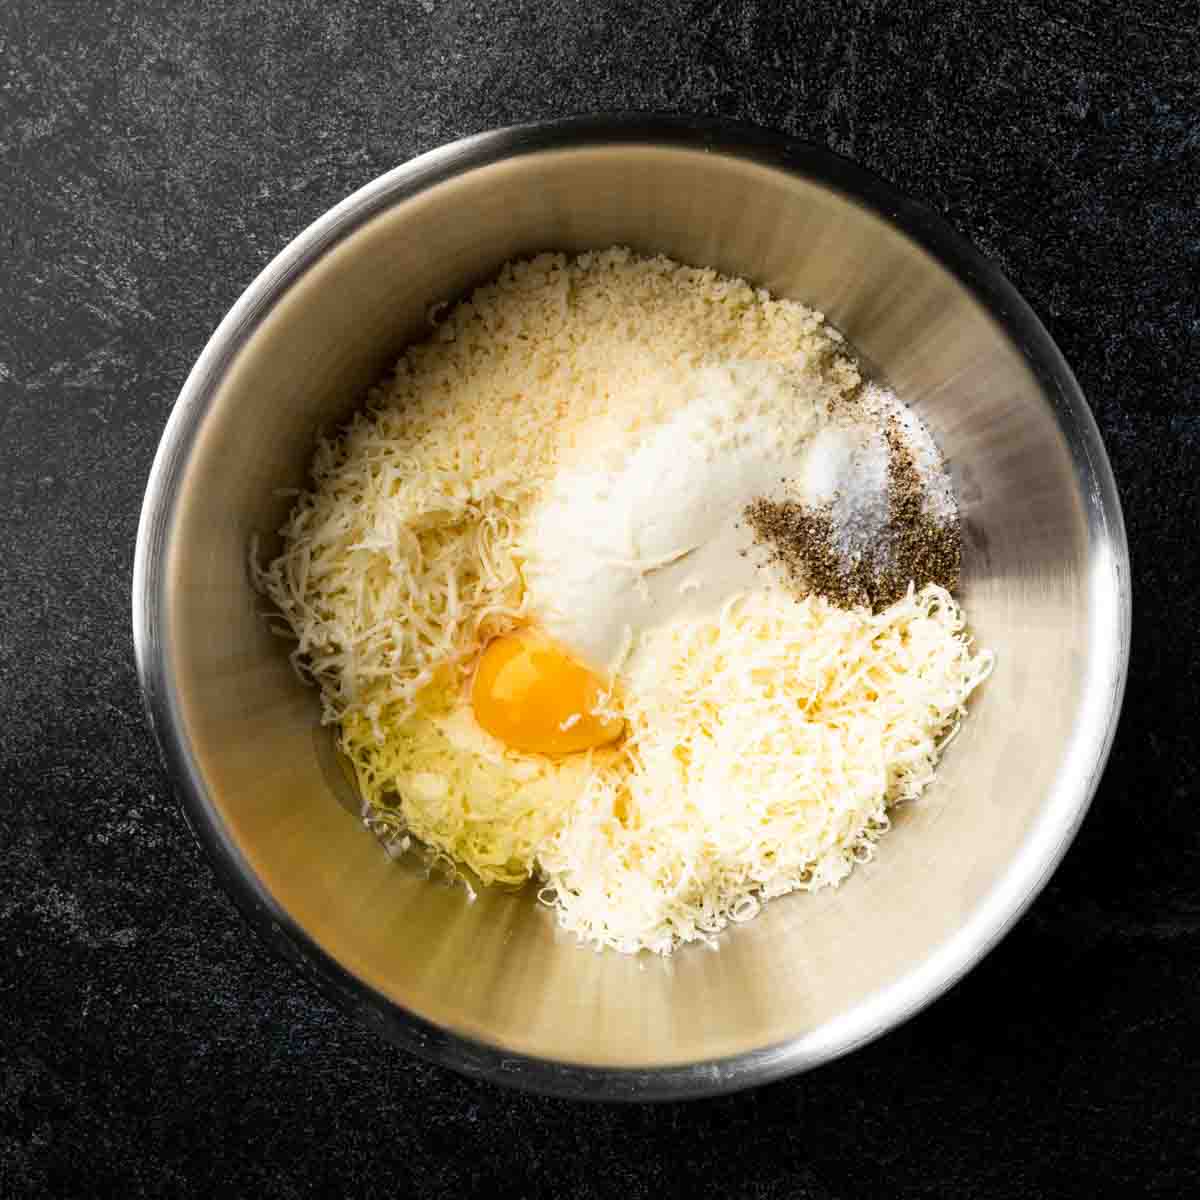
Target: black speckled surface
153,156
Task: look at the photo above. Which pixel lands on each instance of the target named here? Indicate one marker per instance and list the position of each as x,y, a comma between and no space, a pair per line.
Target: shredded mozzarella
765,750
469,799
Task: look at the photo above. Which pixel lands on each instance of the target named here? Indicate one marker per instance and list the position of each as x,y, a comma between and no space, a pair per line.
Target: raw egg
533,696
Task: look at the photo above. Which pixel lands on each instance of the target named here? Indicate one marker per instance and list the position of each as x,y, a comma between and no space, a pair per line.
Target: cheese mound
764,744
436,776
765,750
404,555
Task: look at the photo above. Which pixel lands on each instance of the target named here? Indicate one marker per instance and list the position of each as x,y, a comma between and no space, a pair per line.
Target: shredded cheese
404,554
462,793
765,750
764,747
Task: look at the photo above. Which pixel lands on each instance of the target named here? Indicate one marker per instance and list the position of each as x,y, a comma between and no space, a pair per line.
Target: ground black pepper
915,547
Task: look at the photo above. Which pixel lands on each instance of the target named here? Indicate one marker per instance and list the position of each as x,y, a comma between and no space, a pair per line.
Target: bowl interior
813,974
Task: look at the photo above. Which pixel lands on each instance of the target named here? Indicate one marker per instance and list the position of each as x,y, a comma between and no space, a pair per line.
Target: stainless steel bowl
492,988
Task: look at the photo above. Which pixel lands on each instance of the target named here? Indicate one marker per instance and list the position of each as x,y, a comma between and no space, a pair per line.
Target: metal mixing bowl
492,988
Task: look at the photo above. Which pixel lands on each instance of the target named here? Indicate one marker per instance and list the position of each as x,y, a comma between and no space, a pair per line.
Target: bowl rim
995,915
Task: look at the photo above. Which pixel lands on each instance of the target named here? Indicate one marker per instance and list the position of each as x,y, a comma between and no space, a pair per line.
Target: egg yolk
533,696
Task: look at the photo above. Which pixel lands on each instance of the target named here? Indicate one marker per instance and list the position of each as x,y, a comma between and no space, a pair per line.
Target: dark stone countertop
155,154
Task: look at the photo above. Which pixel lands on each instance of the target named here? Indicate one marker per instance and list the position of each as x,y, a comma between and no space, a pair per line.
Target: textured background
153,156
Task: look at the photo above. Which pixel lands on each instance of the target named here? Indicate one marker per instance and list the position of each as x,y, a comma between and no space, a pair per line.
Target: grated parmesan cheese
404,555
